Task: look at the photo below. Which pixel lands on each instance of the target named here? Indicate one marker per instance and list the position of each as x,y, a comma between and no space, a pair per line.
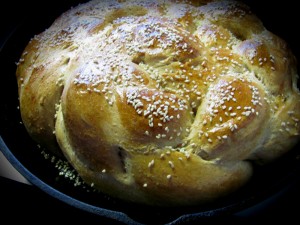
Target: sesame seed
187,155
151,163
171,164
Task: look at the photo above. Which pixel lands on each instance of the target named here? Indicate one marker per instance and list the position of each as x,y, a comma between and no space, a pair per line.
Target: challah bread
161,102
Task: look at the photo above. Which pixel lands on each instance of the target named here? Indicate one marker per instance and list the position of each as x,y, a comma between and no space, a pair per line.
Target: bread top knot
169,95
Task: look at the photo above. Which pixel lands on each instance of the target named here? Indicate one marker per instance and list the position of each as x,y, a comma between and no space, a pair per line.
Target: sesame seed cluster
170,99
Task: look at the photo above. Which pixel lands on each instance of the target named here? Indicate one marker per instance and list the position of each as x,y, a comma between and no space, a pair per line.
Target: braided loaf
161,102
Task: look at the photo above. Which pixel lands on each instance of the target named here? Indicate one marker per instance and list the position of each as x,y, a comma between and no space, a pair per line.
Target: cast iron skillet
24,154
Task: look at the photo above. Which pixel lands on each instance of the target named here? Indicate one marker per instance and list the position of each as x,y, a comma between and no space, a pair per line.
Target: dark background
20,202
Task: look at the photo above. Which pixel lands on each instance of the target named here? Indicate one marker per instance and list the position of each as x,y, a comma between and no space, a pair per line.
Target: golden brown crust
165,99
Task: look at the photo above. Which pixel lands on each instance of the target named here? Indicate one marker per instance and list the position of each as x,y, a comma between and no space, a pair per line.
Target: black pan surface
25,155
